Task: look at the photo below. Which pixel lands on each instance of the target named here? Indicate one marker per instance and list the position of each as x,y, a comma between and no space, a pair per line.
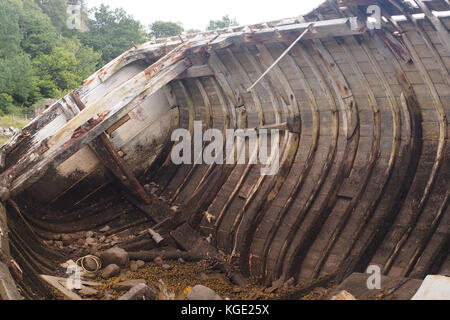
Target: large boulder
200,292
140,292
110,271
115,255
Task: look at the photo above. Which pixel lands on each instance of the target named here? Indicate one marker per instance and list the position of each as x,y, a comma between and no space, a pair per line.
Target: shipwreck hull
364,164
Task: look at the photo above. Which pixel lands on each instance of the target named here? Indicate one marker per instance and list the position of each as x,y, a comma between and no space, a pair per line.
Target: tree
192,31
56,10
10,34
226,22
64,68
39,35
112,32
161,29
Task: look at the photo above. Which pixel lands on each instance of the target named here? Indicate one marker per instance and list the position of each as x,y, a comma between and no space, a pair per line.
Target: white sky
195,14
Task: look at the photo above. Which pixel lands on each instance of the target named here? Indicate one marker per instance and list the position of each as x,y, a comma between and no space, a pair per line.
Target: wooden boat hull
364,165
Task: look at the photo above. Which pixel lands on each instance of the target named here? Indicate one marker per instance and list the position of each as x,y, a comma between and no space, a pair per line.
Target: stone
88,292
66,239
139,292
105,229
127,285
4,193
89,234
115,255
108,296
133,266
110,271
80,242
181,260
90,241
158,261
166,267
200,292
343,295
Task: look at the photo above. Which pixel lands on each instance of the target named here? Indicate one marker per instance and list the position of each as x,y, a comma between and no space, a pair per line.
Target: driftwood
166,255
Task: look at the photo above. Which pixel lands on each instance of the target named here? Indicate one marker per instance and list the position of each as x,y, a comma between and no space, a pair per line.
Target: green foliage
226,22
15,78
64,68
39,35
161,29
191,31
10,35
56,10
111,32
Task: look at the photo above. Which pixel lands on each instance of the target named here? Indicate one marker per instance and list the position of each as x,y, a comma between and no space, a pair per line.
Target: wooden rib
440,150
257,67
194,165
237,223
222,76
309,160
284,264
249,166
279,77
350,116
375,149
348,263
441,30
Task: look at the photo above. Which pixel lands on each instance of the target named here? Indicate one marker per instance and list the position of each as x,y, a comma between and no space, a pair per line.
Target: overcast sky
195,14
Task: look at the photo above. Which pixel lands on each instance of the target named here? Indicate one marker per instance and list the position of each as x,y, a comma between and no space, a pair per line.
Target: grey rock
89,234
105,229
90,241
88,292
4,194
66,239
158,261
133,266
110,271
139,292
200,292
140,264
115,255
127,285
108,296
166,267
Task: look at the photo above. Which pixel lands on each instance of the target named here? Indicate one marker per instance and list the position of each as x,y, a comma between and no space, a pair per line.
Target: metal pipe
281,57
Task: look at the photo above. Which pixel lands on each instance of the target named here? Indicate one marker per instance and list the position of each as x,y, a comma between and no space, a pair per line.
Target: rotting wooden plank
128,175
283,88
375,149
120,99
196,72
440,150
285,256
221,75
440,28
308,162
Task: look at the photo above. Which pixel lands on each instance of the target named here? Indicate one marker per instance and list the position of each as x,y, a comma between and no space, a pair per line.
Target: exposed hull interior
364,163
